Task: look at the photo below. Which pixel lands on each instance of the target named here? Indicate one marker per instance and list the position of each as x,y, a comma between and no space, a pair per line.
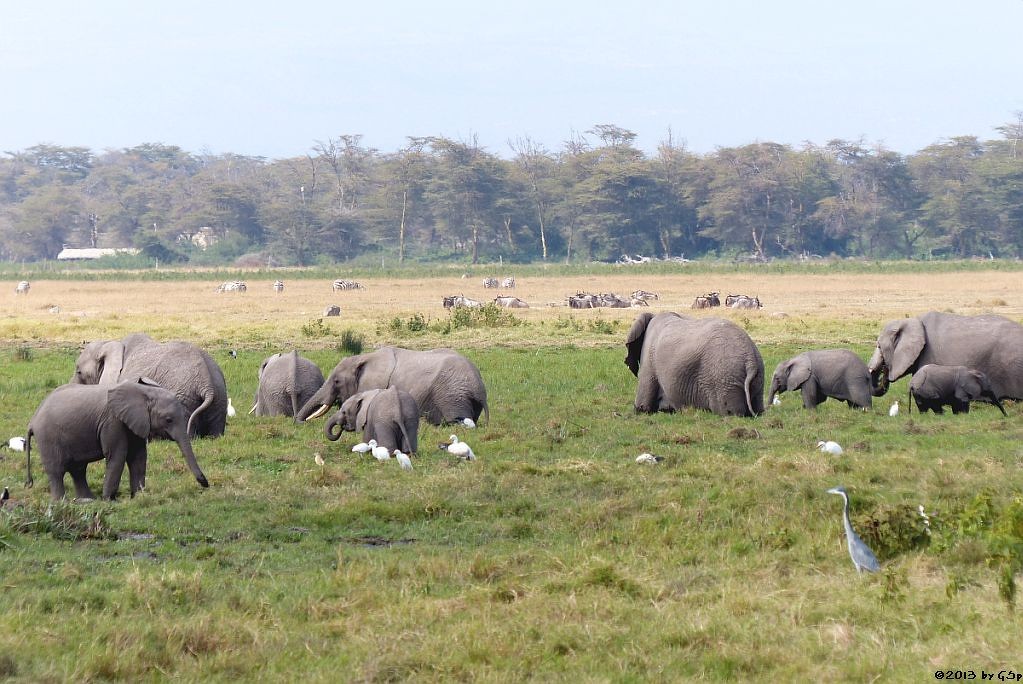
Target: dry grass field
193,310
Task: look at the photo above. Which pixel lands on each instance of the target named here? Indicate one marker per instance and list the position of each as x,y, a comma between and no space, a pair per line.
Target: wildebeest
706,301
489,282
644,295
332,310
460,300
745,302
511,302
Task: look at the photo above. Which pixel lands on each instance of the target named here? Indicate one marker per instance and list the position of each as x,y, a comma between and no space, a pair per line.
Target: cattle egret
230,409
830,447
459,448
468,422
16,444
894,410
381,453
862,557
776,401
364,447
403,460
318,459
649,458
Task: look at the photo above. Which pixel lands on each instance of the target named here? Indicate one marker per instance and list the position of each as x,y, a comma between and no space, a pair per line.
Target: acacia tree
539,171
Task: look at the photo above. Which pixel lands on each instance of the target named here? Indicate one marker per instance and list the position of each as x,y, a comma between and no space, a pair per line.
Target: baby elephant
835,373
390,416
78,424
935,386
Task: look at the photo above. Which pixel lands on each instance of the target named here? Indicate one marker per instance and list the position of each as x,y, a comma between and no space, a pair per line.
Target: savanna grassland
554,556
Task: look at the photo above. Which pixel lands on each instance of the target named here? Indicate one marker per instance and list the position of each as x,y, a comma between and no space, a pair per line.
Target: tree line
596,198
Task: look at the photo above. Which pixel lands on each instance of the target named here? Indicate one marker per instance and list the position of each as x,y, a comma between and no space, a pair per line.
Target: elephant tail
294,385
28,459
750,376
909,398
206,403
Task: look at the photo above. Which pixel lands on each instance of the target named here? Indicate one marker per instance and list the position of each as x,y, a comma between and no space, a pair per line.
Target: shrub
351,342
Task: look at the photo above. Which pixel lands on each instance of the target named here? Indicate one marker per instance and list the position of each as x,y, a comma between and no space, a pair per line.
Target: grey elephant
988,343
78,424
709,363
286,383
447,386
389,416
818,375
933,387
181,367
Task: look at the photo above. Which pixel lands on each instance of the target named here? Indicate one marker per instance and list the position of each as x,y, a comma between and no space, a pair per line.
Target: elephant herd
126,392
713,364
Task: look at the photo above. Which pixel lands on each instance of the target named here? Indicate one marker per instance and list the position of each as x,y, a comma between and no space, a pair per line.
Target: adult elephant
836,373
988,343
447,386
181,367
75,425
286,383
709,363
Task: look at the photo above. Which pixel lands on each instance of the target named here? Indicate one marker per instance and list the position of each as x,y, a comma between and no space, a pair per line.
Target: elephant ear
907,341
112,356
969,385
797,373
634,341
130,404
362,412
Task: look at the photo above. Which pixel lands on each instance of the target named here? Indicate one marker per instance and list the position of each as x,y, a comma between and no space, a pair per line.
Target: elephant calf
933,387
286,383
389,416
835,373
78,424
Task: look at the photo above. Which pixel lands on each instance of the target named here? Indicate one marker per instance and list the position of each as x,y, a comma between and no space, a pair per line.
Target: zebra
345,284
278,286
232,286
489,282
744,302
22,288
644,295
508,282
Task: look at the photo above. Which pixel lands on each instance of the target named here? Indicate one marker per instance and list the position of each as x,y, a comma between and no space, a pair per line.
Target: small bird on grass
459,448
16,444
364,447
381,453
230,409
894,410
830,447
468,422
318,459
649,458
862,557
776,401
403,460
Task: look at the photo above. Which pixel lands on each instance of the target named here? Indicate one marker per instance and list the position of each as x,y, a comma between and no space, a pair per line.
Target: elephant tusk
319,412
253,408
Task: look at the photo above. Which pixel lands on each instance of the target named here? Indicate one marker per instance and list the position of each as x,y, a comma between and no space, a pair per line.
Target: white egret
318,459
459,448
16,444
776,401
894,410
230,409
364,447
468,422
381,453
403,460
830,447
649,458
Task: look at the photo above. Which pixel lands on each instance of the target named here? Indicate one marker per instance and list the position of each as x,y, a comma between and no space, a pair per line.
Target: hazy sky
272,78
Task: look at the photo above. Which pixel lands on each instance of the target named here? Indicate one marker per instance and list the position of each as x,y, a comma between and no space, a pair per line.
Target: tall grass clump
351,342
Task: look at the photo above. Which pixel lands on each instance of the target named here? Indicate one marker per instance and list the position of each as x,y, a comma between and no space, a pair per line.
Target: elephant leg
960,407
82,490
115,468
649,397
811,397
137,470
56,484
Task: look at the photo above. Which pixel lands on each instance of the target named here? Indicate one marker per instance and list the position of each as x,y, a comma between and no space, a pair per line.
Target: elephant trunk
185,445
878,374
318,404
994,400
334,422
775,388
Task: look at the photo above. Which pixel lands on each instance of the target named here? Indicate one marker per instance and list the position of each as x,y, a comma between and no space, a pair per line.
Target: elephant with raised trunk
933,387
818,375
709,363
286,383
988,343
181,367
389,416
447,387
78,424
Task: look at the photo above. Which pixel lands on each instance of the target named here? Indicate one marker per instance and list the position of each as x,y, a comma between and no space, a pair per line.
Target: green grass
554,557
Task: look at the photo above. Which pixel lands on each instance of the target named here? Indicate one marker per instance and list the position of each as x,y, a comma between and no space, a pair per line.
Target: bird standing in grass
459,448
364,447
403,460
830,447
894,410
381,453
16,444
230,409
318,459
862,557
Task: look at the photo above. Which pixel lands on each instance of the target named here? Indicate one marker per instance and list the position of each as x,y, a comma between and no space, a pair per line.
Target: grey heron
862,557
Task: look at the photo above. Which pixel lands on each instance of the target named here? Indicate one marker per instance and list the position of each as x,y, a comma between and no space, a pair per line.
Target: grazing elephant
390,416
181,367
988,343
708,363
286,383
935,386
446,386
78,424
835,373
